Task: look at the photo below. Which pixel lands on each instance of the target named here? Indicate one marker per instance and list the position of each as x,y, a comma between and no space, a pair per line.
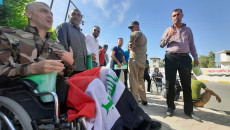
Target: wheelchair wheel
16,115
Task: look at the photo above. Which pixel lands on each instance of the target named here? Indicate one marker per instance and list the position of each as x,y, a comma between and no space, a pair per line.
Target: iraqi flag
104,101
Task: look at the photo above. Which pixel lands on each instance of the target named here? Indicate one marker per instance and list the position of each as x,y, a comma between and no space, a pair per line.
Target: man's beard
95,35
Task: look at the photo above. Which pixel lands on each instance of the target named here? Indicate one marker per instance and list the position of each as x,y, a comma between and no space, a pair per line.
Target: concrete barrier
221,75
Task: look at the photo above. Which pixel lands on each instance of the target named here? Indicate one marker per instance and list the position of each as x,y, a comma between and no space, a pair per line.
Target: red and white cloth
93,94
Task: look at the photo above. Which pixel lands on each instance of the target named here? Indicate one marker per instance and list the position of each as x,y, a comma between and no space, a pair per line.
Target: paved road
223,90
212,120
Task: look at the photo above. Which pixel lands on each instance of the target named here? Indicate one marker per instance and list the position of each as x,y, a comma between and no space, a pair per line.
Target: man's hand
66,57
133,48
124,63
93,57
172,32
119,65
196,63
46,66
218,98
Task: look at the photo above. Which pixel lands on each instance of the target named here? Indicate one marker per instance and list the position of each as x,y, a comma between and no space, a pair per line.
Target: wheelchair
157,84
22,109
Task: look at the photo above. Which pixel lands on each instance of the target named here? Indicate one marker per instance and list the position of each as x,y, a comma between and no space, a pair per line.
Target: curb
204,80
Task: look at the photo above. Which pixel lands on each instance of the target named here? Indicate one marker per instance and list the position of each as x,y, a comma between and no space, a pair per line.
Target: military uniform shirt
19,48
139,40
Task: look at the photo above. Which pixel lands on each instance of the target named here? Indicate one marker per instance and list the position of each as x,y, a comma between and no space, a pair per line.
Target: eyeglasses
95,30
131,27
77,14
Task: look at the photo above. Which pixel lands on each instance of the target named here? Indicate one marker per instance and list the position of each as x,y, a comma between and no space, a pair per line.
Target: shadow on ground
157,107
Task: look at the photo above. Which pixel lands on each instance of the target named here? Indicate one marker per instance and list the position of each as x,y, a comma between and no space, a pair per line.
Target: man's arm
12,69
88,46
213,93
8,56
106,58
124,62
132,40
46,66
193,48
62,35
115,59
165,40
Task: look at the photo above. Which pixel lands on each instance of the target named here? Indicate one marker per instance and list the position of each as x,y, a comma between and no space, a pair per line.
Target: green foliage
207,61
53,36
161,63
12,13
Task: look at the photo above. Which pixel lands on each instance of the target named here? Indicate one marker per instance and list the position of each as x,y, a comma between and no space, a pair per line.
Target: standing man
93,45
106,59
69,35
137,59
117,55
102,55
179,41
146,74
126,54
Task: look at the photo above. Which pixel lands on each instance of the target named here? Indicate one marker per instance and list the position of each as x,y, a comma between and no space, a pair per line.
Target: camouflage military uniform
19,48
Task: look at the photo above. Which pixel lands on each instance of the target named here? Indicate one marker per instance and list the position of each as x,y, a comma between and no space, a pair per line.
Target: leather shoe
145,103
155,125
169,112
193,116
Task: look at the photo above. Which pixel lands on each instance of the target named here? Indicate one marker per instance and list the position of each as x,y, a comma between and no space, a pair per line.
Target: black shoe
169,112
145,103
193,116
155,125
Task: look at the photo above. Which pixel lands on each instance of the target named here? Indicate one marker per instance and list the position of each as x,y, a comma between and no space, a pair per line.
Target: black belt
177,54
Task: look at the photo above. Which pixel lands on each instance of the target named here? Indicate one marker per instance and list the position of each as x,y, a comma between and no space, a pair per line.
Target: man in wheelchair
31,51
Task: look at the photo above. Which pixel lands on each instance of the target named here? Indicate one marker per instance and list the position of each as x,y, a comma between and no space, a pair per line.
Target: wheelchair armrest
28,83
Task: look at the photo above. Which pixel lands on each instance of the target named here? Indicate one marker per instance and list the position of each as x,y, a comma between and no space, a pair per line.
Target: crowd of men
68,55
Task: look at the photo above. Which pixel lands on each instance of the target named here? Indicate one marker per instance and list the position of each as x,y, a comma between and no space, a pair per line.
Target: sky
208,19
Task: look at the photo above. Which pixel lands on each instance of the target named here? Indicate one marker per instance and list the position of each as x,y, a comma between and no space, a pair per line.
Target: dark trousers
126,77
118,72
62,88
183,64
147,77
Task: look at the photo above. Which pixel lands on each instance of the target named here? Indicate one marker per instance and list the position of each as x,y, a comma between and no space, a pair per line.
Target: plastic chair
157,84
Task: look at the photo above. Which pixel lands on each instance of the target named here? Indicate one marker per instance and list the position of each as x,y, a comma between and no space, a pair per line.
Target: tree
12,13
211,63
207,61
53,36
162,63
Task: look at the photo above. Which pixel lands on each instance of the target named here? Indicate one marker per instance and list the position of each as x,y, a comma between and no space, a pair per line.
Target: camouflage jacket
19,48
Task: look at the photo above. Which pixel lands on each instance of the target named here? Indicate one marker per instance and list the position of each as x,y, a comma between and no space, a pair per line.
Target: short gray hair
31,5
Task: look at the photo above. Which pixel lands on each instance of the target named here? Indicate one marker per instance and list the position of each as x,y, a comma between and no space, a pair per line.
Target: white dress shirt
92,46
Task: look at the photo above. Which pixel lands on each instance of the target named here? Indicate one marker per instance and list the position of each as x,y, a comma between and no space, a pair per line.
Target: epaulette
9,30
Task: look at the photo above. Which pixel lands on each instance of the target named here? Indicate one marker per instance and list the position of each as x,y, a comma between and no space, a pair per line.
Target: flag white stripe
104,118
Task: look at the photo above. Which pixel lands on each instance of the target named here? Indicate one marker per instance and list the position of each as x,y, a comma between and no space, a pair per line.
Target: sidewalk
212,120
